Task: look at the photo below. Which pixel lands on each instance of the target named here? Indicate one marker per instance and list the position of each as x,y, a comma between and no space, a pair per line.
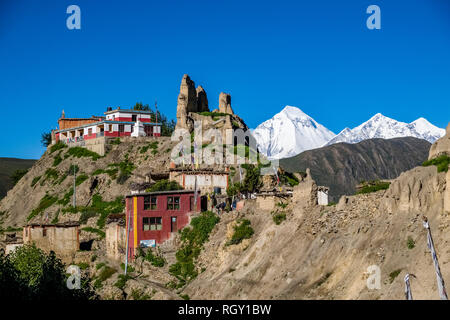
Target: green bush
79,152
152,145
57,146
129,268
66,199
279,218
50,174
46,202
29,273
80,179
373,186
394,275
125,167
164,185
57,160
242,230
410,243
83,265
100,265
156,261
116,141
106,273
442,162
35,180
193,238
122,281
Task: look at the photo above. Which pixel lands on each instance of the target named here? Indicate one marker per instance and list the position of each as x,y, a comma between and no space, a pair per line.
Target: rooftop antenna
156,111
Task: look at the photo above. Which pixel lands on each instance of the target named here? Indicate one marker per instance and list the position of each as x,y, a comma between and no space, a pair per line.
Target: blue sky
317,55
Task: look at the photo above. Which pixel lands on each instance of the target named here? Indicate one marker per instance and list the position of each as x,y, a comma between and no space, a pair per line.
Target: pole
128,237
439,279
74,187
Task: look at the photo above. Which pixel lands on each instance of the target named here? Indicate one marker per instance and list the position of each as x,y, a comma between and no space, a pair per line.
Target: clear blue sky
317,55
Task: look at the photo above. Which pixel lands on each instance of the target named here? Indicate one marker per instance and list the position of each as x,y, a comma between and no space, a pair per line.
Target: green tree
252,181
141,107
46,139
31,274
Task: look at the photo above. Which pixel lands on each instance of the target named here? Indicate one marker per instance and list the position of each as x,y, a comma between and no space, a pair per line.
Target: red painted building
154,216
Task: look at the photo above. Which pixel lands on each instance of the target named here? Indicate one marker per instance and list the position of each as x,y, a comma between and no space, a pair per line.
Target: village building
155,216
115,123
322,195
115,237
62,238
92,133
207,180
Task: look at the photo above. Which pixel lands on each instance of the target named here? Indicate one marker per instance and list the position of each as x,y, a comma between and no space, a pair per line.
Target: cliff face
342,166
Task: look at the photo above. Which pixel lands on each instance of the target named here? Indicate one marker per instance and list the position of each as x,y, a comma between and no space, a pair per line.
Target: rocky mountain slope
380,126
342,166
49,182
7,168
290,132
325,252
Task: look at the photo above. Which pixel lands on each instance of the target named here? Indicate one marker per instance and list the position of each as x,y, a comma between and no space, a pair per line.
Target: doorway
173,224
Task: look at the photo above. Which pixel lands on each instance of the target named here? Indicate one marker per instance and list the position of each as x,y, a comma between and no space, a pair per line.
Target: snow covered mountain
380,126
290,132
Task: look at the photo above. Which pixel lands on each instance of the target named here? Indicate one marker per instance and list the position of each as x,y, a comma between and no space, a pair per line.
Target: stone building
208,181
115,239
62,238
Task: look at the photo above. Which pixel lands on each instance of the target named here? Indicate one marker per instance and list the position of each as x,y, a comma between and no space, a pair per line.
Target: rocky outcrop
305,193
441,146
225,103
202,100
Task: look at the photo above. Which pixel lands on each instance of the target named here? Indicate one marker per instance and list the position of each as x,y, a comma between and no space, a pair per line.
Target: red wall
161,211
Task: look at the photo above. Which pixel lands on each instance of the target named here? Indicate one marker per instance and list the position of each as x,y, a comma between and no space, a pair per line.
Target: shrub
106,273
242,230
80,179
374,186
83,265
282,205
289,178
57,146
79,152
279,218
46,202
30,274
116,141
193,238
155,260
122,281
410,243
57,160
50,173
129,268
442,162
164,185
394,275
35,180
125,167
100,265
153,145
66,199
139,295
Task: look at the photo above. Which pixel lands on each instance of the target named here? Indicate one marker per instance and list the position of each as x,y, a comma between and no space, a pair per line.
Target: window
149,203
133,118
152,224
121,128
173,203
89,131
44,232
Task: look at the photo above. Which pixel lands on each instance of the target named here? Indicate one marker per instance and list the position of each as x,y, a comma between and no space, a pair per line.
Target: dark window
149,203
152,224
121,128
90,131
173,203
133,118
44,232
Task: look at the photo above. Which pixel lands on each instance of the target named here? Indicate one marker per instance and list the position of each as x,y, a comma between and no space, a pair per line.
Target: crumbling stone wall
115,241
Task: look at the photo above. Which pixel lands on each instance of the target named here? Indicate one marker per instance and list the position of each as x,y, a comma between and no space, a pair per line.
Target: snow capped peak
380,126
290,132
